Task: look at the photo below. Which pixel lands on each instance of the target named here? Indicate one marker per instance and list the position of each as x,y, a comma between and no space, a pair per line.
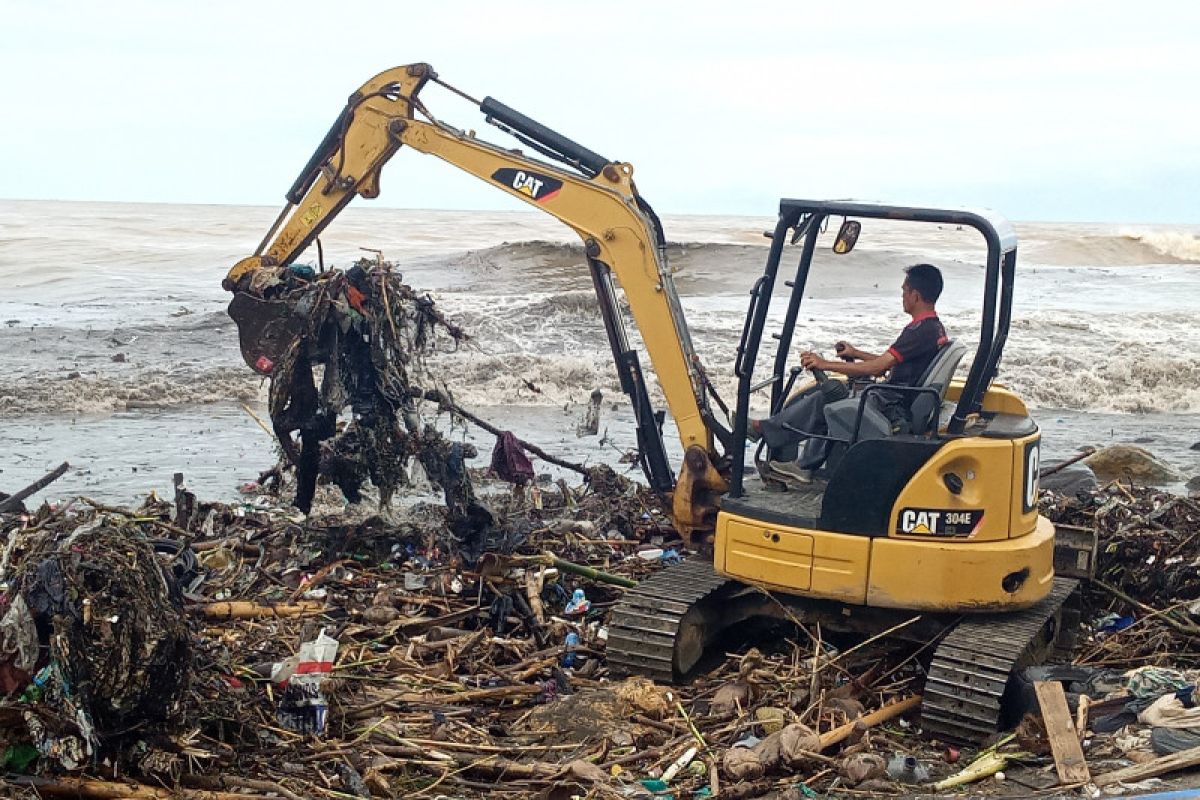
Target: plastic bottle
572,641
578,604
907,769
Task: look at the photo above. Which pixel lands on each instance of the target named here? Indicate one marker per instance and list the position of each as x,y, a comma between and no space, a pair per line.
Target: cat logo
942,522
538,188
912,521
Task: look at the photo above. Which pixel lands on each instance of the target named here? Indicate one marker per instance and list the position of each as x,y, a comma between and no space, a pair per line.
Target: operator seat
875,425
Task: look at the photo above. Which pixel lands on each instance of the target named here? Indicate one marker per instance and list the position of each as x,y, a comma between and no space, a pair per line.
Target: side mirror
847,237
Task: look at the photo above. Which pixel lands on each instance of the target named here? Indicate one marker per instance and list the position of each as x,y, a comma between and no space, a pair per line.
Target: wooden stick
1184,759
258,419
1083,453
889,711
241,609
234,782
13,502
112,790
442,399
1181,627
1064,743
533,591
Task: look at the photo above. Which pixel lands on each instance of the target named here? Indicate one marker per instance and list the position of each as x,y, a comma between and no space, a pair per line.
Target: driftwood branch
441,399
14,502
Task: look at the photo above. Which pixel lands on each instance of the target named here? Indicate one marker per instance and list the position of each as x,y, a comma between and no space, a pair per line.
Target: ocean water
116,353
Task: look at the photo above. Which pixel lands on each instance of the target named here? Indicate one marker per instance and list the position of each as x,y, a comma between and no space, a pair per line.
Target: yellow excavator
931,531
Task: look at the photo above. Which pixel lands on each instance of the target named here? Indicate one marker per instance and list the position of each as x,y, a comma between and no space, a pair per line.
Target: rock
644,697
380,615
586,771
1131,463
1071,480
597,713
877,786
852,708
1143,440
1194,483
1195,446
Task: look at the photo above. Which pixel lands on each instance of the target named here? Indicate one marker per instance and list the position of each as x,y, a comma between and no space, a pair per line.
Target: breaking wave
1129,248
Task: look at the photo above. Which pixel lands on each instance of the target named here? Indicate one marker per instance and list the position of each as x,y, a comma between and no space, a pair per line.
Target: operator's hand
846,350
811,360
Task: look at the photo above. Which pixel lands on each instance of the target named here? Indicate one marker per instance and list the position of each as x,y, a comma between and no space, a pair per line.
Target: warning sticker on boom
940,522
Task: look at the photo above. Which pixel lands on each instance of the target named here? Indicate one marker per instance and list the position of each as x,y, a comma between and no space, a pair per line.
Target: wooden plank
1184,759
1064,742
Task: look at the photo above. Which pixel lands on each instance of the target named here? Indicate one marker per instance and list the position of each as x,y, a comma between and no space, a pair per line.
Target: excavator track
646,625
971,666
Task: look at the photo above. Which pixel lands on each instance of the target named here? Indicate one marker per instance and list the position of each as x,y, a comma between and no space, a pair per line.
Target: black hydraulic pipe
325,149
539,133
652,451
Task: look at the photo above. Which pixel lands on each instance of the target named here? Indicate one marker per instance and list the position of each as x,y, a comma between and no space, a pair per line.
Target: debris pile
353,655
95,641
249,650
1147,571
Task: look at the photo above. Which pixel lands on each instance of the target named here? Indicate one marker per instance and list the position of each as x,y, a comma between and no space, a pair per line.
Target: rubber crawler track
643,627
970,668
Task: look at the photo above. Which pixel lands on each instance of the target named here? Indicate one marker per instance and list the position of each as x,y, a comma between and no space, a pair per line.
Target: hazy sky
1045,111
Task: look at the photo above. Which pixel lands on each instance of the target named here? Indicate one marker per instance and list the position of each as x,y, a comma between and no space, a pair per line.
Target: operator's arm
849,351
875,365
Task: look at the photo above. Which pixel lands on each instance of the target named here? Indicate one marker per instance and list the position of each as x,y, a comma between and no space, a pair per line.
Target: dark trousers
807,413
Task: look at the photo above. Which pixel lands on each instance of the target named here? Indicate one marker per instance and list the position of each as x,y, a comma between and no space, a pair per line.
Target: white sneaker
791,470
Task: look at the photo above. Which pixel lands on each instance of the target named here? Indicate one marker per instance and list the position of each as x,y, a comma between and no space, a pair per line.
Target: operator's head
922,287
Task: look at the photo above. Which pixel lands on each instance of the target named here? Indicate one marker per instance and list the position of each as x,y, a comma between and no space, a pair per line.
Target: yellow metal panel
813,563
985,467
998,399
955,576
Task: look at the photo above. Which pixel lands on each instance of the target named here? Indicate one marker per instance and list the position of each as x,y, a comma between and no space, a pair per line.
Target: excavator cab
949,494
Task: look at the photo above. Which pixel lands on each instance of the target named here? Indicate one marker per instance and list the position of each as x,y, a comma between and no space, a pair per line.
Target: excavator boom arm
594,197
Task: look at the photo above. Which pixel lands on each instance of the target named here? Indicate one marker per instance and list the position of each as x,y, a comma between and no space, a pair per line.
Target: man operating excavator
795,456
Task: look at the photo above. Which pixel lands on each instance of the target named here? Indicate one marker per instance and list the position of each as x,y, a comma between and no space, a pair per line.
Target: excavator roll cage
595,196
805,220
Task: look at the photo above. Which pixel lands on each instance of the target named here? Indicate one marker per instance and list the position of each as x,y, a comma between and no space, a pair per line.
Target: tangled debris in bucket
366,334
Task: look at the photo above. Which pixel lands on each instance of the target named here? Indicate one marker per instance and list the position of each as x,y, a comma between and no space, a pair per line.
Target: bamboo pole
241,609
883,714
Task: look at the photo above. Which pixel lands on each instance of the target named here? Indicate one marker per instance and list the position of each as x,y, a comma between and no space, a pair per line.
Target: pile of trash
1147,571
247,650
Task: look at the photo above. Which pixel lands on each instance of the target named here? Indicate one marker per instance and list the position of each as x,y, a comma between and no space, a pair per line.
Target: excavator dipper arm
595,197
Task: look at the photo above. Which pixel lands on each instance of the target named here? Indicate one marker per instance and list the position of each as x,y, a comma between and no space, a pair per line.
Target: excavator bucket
267,330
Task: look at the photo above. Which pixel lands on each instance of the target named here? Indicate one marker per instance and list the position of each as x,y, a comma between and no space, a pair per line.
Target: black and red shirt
916,347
